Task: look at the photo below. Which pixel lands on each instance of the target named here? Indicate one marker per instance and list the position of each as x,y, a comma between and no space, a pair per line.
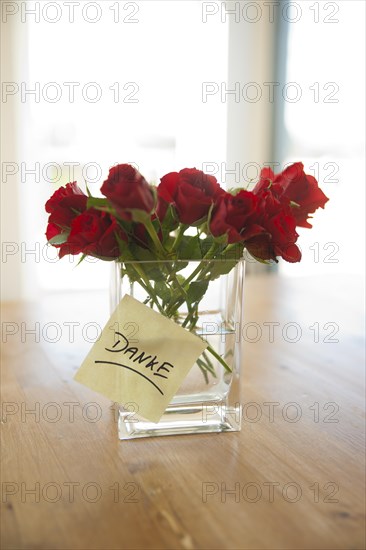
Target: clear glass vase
209,398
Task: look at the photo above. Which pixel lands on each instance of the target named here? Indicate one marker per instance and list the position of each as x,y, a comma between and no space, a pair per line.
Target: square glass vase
208,400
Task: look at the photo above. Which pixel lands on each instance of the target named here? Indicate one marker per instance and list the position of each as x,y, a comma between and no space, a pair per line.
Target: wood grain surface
293,478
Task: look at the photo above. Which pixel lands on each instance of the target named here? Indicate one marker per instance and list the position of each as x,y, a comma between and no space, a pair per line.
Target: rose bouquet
154,231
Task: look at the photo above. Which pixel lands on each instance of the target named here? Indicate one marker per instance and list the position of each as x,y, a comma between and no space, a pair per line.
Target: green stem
154,237
203,368
192,315
210,366
219,358
173,276
178,237
201,271
189,317
203,264
208,256
147,286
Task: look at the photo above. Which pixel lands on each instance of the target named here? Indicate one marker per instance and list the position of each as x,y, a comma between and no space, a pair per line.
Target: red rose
94,233
64,205
294,185
190,191
64,195
279,235
127,190
233,215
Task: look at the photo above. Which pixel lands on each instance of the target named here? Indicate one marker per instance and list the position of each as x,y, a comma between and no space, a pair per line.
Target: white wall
11,69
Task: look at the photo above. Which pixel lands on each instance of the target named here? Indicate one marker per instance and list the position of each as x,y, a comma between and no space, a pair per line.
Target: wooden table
293,478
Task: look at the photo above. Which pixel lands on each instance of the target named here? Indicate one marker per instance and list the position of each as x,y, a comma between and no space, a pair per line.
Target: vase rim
179,260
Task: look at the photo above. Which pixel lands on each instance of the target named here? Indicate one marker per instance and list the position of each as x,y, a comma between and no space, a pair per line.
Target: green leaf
266,262
139,216
226,261
141,254
221,267
196,291
151,267
124,250
163,290
232,252
83,256
222,239
190,248
179,265
169,223
59,239
129,271
206,245
98,204
195,248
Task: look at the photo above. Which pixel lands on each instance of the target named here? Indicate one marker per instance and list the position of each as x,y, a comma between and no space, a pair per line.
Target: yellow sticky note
140,357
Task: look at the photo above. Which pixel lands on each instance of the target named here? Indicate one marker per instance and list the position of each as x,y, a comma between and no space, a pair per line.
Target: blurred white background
326,129
144,82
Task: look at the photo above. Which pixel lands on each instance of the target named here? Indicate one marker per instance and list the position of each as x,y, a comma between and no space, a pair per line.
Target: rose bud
128,190
65,204
279,230
294,185
94,233
233,215
190,191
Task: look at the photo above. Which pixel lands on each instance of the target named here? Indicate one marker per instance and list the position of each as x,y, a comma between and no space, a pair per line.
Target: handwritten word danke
146,370
150,362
